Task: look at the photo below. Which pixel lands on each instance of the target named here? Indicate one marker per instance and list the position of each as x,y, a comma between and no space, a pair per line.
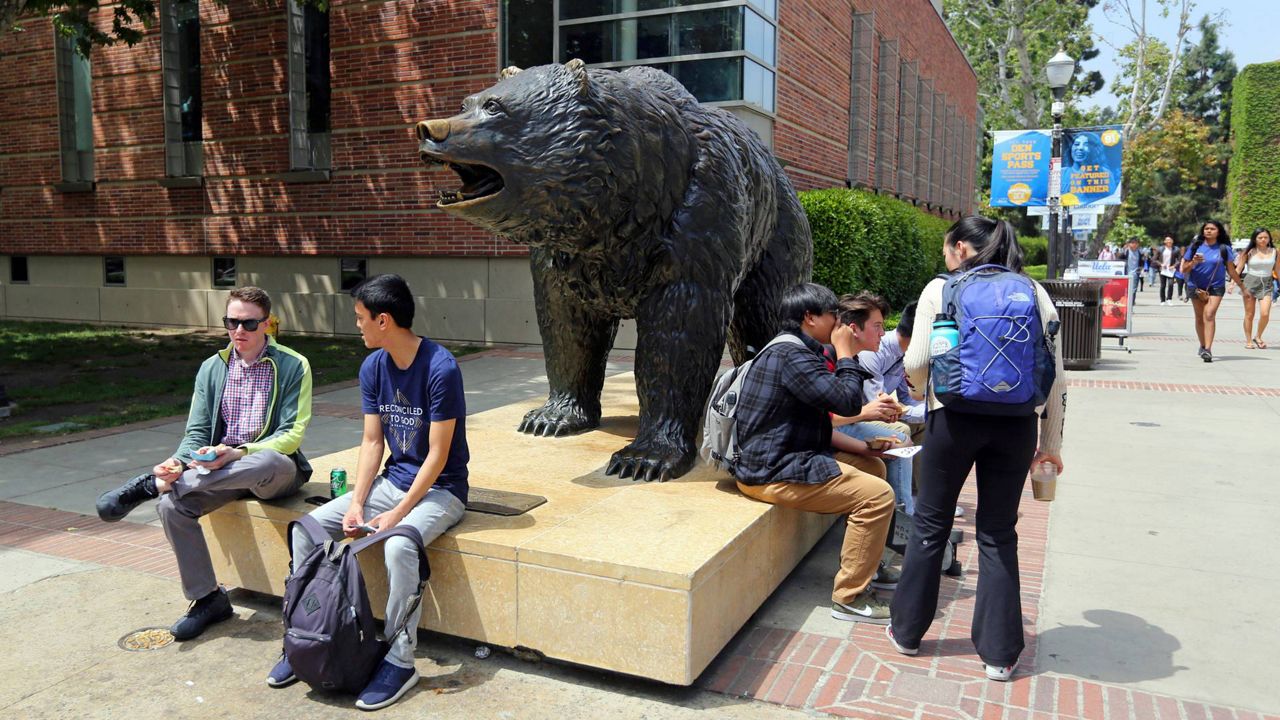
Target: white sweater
917,363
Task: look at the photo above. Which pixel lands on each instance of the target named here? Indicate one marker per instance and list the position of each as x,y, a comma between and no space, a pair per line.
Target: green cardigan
288,413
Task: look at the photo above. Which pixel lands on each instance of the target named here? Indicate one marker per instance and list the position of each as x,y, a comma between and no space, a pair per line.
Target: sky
1249,31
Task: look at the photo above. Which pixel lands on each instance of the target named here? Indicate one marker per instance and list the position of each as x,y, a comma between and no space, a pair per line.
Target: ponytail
994,242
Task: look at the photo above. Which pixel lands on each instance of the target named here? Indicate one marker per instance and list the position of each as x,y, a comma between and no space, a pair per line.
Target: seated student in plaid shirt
250,408
785,453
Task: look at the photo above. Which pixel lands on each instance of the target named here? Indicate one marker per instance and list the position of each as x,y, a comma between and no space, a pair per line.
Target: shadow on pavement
1118,647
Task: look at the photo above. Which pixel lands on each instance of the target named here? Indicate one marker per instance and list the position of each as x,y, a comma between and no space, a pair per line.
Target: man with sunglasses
249,411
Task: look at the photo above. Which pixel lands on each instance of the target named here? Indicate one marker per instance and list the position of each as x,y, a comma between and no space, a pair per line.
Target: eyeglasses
249,324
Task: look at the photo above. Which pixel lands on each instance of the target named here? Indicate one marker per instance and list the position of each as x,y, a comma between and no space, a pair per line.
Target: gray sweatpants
436,512
266,474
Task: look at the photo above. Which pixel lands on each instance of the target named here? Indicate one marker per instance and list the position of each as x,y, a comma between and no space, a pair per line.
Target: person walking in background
1166,257
1207,262
1002,448
1132,258
1258,265
1106,254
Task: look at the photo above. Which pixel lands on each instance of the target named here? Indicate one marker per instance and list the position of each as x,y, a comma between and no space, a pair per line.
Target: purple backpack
1004,361
330,637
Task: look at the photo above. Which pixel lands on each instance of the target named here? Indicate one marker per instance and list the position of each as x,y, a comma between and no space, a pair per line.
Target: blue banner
1091,166
1020,168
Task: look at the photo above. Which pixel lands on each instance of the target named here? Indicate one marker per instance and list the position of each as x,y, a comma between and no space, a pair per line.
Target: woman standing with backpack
1003,448
1258,265
1207,262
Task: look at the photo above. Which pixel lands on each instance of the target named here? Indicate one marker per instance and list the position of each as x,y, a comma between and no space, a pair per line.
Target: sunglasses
249,324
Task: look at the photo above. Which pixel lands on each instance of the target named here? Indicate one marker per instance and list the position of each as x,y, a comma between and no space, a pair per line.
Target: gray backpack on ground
330,637
719,428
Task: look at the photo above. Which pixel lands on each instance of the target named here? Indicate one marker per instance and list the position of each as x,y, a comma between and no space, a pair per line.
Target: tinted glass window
18,269
113,270
224,272
352,272
711,80
187,13
317,43
528,32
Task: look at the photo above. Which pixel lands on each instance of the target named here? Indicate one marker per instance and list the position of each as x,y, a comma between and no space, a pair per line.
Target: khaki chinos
860,491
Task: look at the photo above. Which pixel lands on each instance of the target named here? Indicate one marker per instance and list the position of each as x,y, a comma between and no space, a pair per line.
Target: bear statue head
529,152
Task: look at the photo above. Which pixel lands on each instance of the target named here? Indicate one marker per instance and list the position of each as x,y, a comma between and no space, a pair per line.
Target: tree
1171,176
1207,75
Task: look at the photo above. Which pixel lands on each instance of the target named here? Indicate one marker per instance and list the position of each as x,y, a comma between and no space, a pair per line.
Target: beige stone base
649,579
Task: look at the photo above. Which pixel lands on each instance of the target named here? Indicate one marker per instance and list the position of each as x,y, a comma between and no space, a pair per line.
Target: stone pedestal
648,579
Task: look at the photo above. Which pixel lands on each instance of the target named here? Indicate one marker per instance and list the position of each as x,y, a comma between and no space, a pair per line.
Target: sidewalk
1136,599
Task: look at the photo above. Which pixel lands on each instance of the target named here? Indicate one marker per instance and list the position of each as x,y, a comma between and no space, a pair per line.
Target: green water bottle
944,337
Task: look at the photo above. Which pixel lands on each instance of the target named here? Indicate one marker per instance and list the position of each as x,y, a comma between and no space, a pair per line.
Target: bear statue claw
660,464
557,418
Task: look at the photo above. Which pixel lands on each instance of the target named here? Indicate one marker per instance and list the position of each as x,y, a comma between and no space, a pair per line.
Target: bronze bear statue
636,202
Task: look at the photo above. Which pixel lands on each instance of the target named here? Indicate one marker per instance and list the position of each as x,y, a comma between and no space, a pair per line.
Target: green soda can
337,482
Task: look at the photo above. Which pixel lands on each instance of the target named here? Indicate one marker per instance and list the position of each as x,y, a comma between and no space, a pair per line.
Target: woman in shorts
1258,264
1207,262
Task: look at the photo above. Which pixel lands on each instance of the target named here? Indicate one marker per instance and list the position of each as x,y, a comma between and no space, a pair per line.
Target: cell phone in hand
367,529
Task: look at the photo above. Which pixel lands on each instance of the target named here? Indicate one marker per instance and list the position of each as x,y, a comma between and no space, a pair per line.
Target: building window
887,116
18,269
924,139
224,272
528,32
183,106
860,101
352,272
720,54
309,87
113,271
75,111
908,89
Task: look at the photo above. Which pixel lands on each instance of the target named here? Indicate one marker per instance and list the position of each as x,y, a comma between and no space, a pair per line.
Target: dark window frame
74,79
310,88
214,278
13,267
106,271
860,105
181,70
361,271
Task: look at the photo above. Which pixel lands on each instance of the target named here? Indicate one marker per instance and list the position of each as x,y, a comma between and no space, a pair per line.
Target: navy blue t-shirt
407,402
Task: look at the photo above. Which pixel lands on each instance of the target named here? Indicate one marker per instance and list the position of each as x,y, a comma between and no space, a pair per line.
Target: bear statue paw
649,461
559,416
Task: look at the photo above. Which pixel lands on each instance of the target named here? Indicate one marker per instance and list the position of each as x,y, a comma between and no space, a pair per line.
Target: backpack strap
405,531
312,528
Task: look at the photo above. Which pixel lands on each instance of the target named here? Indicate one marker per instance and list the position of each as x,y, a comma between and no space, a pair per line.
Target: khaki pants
858,491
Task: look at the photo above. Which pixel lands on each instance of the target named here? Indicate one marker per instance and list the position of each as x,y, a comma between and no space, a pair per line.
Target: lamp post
1058,70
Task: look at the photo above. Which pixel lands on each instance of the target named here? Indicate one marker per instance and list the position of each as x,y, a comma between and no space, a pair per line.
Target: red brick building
262,142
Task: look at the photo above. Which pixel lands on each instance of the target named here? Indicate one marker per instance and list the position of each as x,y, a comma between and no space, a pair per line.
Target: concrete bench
648,579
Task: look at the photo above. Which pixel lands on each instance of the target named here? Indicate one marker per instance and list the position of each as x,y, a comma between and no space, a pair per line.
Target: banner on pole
1091,166
1020,168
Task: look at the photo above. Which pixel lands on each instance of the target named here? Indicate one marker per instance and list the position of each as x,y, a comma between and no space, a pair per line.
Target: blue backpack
1003,363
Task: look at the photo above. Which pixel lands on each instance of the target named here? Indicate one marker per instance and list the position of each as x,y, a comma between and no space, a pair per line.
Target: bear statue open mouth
478,181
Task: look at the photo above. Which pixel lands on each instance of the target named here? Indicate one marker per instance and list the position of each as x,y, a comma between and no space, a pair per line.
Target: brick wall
394,63
814,56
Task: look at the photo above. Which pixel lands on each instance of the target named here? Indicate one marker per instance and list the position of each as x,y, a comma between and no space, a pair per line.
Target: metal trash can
1079,305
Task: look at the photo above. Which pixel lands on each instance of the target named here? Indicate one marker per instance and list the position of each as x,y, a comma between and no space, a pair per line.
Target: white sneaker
959,511
1000,674
888,631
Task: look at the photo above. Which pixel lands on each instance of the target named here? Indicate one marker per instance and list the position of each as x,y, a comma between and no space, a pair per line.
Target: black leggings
1166,287
1001,448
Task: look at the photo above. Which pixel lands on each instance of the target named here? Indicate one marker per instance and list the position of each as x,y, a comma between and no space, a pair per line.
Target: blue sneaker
389,684
282,674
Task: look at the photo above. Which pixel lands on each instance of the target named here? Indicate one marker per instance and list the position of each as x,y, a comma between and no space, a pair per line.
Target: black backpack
330,637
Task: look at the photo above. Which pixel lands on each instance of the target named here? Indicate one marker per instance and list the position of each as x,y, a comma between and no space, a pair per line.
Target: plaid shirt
245,398
783,419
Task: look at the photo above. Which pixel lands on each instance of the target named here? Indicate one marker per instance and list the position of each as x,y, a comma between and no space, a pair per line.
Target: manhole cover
1145,424
146,639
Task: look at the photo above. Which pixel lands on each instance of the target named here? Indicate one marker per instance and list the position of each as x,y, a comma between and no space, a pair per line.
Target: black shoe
114,505
208,610
1206,355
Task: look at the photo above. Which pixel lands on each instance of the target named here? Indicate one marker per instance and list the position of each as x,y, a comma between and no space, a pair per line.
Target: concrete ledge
648,579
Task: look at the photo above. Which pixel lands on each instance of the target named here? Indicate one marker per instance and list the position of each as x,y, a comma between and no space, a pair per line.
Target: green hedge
1035,250
864,241
1253,182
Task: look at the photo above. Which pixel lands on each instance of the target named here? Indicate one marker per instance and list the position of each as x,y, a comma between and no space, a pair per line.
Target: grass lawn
101,376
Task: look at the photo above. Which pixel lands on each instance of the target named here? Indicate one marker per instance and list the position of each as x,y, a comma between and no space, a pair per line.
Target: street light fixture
1058,71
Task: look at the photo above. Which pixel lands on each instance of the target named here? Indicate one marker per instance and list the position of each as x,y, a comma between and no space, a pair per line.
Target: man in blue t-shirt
412,399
